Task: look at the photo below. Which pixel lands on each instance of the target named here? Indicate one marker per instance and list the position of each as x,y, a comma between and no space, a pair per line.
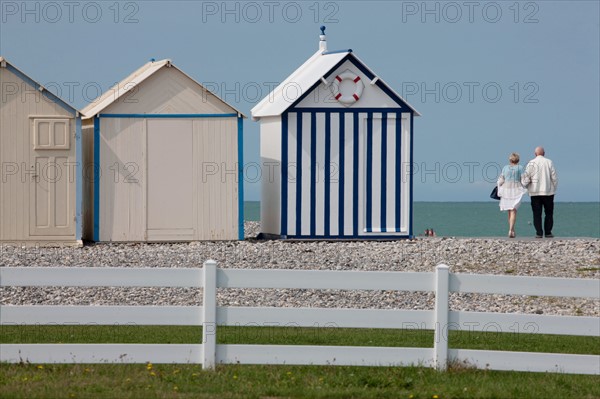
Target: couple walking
540,180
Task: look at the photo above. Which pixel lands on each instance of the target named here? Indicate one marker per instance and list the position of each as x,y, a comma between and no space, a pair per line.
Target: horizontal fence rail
440,319
102,315
323,279
524,285
99,277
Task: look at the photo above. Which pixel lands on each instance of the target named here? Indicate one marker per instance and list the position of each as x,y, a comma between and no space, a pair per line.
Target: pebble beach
571,258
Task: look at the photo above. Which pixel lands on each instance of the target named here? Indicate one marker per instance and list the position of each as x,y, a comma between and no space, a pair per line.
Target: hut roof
308,76
38,86
133,80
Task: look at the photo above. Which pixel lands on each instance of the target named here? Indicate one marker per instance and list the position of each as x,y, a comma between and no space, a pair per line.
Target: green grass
247,381
237,381
298,336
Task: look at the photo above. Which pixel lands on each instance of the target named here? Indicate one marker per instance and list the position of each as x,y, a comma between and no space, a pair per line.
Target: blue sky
489,78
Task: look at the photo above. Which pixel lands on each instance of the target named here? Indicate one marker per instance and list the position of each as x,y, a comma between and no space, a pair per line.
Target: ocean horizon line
490,201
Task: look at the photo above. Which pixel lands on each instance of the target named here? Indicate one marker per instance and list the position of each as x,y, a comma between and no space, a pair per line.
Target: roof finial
323,40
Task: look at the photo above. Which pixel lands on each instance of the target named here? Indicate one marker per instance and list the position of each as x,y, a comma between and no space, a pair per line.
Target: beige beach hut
167,156
41,177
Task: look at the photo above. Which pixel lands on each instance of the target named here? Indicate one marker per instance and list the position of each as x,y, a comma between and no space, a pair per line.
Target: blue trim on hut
284,173
355,209
383,199
78,181
327,172
369,175
162,116
299,173
342,171
411,163
313,174
398,196
45,92
240,143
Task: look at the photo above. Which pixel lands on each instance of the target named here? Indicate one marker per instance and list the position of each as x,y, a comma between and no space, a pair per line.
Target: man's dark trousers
547,203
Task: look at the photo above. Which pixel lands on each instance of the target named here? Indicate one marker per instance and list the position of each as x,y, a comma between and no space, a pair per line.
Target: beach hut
41,169
166,156
343,143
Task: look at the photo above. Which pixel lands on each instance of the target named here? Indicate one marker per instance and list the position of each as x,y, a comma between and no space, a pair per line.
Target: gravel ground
574,258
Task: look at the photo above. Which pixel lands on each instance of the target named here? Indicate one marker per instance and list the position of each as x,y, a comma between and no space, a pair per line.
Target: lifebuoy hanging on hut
351,97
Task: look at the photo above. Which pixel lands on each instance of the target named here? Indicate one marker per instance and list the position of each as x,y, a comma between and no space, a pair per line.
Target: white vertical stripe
391,205
305,222
292,173
334,176
320,177
376,187
362,192
348,166
406,178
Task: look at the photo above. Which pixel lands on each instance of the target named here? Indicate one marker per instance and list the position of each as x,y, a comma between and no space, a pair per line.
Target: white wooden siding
270,159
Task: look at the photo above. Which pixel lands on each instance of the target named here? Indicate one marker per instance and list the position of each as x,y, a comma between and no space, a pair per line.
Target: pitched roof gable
309,75
38,86
133,80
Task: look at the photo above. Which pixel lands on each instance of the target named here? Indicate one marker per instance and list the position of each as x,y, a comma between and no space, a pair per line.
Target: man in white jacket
541,181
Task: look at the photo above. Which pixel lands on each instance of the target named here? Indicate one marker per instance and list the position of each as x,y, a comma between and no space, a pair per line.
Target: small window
51,134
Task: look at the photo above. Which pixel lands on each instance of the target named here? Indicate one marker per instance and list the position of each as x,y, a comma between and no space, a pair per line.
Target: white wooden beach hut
167,157
40,150
344,142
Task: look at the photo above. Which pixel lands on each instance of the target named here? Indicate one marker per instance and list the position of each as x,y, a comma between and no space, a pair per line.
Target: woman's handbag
494,193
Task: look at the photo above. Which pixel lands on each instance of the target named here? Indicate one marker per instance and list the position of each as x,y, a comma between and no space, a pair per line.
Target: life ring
348,99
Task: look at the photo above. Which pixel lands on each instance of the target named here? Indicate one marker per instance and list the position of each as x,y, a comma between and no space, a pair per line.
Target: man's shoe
549,235
538,236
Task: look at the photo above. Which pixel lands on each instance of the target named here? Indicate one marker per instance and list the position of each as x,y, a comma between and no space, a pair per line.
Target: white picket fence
209,315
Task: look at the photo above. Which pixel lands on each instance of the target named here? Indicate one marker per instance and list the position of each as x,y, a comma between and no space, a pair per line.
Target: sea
484,219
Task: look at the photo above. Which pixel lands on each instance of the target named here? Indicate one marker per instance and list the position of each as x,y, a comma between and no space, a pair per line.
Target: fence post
440,345
209,313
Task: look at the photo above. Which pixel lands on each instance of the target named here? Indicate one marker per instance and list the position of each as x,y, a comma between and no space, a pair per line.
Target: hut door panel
52,209
170,179
382,171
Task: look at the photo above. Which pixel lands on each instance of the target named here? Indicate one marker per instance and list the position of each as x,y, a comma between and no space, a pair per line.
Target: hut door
170,180
52,174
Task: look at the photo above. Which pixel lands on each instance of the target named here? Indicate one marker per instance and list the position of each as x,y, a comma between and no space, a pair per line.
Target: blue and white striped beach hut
341,141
